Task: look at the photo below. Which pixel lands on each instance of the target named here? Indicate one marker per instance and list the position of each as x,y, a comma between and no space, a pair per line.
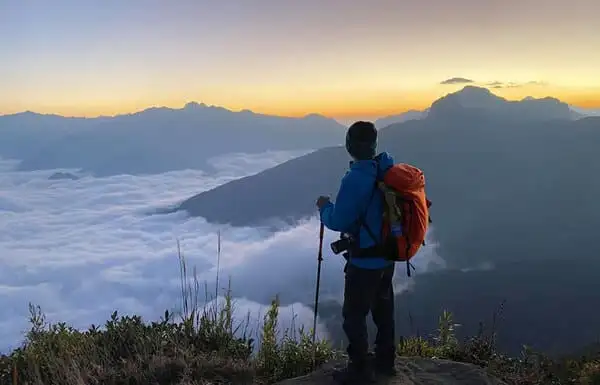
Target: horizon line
203,104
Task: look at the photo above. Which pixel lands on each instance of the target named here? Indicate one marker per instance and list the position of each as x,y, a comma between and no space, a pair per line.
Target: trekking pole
319,260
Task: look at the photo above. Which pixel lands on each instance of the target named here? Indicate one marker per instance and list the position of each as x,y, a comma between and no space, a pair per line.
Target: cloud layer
493,84
82,249
457,80
497,84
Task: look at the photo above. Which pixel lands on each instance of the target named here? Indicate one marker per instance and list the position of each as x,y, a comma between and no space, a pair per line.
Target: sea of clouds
83,248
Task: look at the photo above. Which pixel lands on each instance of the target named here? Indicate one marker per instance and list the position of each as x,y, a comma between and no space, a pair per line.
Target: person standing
358,211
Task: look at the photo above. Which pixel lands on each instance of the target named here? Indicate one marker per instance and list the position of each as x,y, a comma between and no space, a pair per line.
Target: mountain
399,118
486,176
513,186
583,112
478,98
480,167
25,134
482,100
262,201
543,304
155,140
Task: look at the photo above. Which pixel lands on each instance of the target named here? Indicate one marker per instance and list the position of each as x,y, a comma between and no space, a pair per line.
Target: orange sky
340,58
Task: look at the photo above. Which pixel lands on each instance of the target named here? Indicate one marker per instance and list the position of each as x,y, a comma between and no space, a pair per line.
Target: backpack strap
362,219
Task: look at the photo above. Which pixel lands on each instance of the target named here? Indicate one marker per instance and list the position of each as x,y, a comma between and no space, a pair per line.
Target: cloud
537,83
82,249
498,84
243,164
457,80
495,84
248,319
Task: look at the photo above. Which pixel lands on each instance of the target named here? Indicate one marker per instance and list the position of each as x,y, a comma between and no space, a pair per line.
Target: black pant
369,290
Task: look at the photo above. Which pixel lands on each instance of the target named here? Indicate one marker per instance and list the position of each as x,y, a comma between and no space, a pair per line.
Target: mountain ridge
188,105
450,106
568,111
155,140
502,192
480,98
409,113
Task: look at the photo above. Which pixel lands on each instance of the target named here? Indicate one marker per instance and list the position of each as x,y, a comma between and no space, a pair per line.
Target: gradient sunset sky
340,58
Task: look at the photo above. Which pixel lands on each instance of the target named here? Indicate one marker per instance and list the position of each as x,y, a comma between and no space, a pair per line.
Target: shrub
205,345
530,368
201,344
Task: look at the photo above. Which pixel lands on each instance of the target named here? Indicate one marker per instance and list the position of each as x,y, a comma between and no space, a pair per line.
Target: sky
340,58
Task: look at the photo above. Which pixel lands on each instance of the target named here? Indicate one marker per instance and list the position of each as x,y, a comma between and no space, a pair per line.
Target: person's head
361,140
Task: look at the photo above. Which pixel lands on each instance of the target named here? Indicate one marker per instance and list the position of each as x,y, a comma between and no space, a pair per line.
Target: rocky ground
411,371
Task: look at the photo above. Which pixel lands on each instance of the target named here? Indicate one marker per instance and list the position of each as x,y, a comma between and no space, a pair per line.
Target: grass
201,344
530,368
206,345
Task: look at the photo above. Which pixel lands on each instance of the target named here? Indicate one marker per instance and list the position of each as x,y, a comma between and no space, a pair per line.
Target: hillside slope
516,195
485,175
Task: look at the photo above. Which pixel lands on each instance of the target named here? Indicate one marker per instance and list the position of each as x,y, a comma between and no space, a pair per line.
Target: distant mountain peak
194,105
30,113
547,99
146,111
475,89
401,117
315,116
34,115
469,97
470,93
472,98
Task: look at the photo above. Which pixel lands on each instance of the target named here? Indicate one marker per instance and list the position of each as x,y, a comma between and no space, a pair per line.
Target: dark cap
361,140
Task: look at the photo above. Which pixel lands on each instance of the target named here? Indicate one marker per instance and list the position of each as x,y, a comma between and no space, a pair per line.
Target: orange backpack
406,212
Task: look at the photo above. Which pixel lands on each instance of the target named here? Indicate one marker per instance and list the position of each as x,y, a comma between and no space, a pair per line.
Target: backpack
406,213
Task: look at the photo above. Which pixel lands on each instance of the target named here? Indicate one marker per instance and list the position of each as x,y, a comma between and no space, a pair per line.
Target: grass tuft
203,344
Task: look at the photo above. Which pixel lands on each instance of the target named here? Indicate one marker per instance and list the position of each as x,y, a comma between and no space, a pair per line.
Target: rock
411,371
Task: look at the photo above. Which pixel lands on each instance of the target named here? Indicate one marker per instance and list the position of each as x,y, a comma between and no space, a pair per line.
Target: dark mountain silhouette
488,174
291,198
400,118
519,194
476,99
548,305
471,97
157,139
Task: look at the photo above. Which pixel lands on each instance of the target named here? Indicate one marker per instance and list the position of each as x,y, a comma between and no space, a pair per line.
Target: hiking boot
382,367
385,370
354,375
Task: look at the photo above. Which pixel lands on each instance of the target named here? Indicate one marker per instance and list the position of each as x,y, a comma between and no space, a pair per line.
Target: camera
343,244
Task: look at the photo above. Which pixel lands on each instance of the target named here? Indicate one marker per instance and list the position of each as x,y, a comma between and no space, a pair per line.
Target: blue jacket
354,195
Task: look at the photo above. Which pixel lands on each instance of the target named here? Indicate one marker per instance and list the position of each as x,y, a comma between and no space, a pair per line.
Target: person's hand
322,201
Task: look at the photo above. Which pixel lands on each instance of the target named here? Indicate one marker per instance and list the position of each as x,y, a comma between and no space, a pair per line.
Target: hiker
358,211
